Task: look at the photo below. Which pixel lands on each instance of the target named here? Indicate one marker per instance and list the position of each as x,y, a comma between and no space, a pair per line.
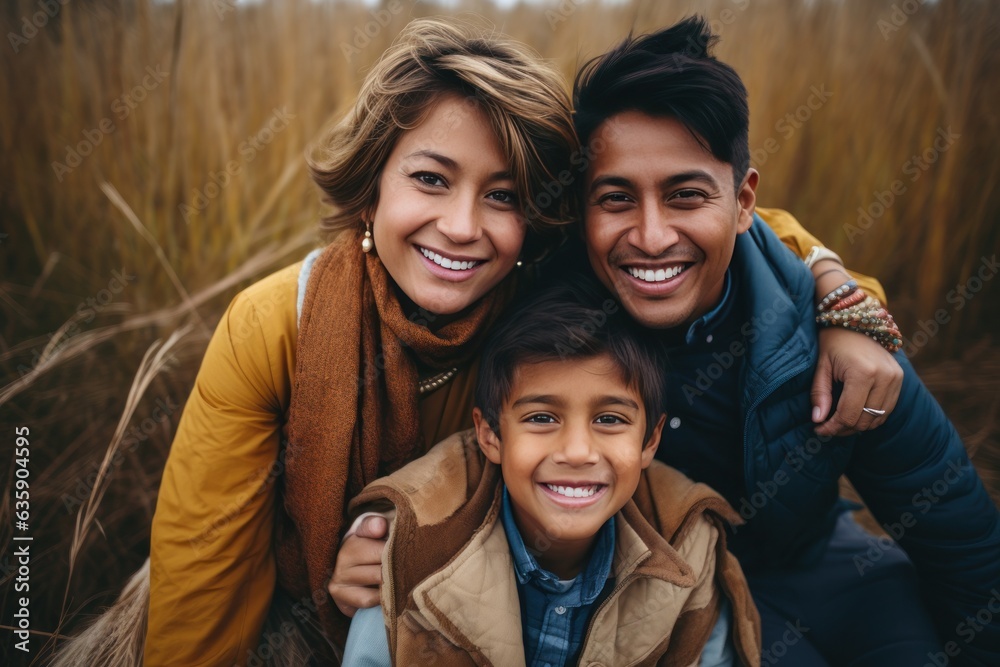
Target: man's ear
489,442
649,449
746,198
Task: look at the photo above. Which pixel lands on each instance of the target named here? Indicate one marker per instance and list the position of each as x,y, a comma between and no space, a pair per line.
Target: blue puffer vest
913,472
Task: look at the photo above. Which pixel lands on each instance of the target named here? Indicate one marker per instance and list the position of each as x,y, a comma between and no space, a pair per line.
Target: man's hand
871,378
357,575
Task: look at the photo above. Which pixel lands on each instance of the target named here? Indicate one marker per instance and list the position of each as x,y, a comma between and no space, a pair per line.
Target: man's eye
429,178
689,194
614,197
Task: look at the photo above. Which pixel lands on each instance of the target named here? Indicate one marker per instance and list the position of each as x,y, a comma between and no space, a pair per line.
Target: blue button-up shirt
555,613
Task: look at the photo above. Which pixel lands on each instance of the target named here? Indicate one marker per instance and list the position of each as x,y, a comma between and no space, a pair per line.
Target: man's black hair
670,73
566,321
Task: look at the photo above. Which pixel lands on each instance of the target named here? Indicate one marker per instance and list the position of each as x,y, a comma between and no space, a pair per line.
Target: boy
538,538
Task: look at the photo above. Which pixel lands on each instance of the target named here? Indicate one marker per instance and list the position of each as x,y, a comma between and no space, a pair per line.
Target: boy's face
661,217
571,451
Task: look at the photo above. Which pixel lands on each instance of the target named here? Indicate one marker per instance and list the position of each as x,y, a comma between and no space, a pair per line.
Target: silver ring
874,412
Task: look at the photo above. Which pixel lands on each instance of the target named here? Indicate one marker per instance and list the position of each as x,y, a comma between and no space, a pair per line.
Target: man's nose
653,234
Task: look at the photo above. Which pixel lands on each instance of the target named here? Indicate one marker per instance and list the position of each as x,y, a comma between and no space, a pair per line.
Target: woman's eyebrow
437,157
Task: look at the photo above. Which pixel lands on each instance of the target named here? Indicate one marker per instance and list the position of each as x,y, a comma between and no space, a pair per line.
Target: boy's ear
488,440
649,449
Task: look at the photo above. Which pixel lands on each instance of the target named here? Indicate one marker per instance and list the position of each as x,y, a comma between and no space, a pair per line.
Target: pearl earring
366,243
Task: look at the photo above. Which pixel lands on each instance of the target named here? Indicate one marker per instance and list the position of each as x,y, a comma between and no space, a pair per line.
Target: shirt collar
715,316
528,570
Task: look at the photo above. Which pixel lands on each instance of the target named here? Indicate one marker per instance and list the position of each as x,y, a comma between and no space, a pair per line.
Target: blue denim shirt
555,613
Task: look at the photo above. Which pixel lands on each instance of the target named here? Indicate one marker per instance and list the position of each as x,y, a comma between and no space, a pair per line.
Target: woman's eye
429,178
503,197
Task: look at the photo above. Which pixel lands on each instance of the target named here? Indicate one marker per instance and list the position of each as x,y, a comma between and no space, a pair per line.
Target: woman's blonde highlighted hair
523,98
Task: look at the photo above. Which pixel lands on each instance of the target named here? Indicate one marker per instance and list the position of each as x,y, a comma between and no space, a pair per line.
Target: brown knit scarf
354,408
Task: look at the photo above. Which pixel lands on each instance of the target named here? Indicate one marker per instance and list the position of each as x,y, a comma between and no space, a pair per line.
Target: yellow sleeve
212,570
800,241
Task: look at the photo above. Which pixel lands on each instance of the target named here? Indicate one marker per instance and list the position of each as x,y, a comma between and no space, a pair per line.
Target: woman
363,355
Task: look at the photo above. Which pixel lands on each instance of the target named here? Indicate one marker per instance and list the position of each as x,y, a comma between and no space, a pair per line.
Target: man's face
661,217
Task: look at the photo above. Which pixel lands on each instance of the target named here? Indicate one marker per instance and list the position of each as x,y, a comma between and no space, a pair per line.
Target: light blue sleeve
367,641
718,652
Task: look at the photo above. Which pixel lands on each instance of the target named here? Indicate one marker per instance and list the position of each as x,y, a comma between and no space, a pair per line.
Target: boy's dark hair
567,321
670,73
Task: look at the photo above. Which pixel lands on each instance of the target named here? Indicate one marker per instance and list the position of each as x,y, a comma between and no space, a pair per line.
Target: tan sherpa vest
449,591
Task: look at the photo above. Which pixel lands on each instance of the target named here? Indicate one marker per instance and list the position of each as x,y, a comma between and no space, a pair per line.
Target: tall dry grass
114,228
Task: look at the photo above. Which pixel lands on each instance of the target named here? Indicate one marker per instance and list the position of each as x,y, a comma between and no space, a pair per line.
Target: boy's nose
577,449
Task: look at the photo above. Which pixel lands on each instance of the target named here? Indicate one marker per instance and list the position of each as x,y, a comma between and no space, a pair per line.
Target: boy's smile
571,451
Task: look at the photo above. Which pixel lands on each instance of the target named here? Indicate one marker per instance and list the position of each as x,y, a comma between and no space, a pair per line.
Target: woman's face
447,225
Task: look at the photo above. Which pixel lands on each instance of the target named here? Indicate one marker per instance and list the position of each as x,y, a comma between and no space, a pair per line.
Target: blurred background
151,166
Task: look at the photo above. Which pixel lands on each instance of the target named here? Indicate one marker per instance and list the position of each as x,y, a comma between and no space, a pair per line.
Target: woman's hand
871,378
357,574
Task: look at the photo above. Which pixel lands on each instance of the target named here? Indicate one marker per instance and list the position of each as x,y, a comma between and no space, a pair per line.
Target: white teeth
574,491
453,264
654,276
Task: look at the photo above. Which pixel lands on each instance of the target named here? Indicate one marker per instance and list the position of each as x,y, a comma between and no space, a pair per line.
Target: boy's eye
610,419
541,419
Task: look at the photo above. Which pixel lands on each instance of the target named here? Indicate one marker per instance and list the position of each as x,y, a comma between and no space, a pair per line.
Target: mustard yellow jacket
212,566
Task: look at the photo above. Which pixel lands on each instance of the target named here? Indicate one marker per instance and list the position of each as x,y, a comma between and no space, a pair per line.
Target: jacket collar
473,601
777,290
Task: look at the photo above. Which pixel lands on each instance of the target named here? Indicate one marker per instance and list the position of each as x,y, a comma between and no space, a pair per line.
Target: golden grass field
122,242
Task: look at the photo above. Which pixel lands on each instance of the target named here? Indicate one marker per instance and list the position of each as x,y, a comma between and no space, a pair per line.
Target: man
669,226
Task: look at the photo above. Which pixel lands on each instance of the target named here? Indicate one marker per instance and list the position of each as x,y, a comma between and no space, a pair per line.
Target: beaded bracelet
836,295
864,314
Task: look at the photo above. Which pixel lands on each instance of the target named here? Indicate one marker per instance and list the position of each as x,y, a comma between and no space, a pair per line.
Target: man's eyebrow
669,182
692,175
613,181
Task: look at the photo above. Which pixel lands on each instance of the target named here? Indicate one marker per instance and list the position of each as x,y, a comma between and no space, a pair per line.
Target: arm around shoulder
798,239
